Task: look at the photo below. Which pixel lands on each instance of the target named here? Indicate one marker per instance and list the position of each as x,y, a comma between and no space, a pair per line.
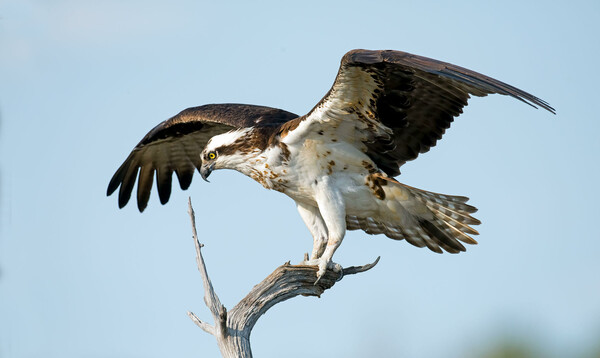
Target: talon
317,281
324,265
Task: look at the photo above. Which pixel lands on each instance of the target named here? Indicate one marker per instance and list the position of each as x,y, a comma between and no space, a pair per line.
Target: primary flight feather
338,162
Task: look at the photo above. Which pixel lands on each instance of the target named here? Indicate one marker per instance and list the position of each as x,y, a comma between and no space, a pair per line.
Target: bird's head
225,151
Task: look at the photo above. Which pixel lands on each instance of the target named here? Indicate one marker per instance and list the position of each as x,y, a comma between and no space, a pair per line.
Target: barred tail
437,221
450,222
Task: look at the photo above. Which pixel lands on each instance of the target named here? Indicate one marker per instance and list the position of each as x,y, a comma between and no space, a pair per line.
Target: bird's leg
333,211
313,220
325,261
319,244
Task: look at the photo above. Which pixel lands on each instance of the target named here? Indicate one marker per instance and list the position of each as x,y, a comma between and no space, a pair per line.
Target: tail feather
460,235
451,218
454,223
418,239
459,216
439,222
444,236
429,241
446,202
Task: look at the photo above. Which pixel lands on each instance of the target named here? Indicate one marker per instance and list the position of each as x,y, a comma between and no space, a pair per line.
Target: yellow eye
212,155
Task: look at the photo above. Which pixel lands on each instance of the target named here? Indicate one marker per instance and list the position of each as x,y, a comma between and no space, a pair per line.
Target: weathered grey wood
232,329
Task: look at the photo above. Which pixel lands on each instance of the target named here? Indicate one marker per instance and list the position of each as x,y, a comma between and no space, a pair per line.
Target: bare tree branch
232,330
205,326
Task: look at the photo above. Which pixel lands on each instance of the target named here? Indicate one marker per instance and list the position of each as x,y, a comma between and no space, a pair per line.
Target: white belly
342,164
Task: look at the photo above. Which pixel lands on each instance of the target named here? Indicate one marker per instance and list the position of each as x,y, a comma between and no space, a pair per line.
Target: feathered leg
314,222
333,211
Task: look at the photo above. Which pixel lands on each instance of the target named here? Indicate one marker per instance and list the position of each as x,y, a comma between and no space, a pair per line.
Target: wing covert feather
401,103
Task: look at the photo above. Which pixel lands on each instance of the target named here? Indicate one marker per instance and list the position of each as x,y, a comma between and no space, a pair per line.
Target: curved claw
325,265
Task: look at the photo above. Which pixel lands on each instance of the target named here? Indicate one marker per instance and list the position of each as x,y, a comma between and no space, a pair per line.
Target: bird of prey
338,162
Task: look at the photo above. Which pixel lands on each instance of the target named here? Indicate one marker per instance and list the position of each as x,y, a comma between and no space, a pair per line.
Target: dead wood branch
232,329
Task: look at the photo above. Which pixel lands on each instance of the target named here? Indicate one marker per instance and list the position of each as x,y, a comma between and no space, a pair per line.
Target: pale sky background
81,82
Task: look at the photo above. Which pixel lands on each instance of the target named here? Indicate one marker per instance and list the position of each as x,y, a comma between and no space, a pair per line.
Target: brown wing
403,102
175,146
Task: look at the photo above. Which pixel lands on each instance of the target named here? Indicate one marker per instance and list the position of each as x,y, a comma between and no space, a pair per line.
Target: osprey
338,162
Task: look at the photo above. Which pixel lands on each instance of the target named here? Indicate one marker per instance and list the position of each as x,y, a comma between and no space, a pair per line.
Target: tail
450,221
437,221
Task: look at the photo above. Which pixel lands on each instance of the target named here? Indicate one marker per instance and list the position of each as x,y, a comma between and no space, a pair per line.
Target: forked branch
232,329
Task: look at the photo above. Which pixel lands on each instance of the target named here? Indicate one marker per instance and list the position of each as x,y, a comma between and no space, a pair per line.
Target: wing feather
175,146
401,104
164,176
185,173
127,184
144,185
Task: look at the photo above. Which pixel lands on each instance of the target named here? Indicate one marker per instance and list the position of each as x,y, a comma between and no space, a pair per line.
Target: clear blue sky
82,81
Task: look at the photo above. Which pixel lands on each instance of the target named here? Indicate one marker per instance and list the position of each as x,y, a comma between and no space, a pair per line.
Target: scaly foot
324,265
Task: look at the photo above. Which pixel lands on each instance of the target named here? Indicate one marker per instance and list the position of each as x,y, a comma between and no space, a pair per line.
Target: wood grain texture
232,328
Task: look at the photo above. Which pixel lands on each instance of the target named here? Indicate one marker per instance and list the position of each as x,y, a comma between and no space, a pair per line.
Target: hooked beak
205,170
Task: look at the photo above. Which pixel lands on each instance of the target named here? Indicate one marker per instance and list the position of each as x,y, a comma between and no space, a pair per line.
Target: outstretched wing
396,105
175,146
